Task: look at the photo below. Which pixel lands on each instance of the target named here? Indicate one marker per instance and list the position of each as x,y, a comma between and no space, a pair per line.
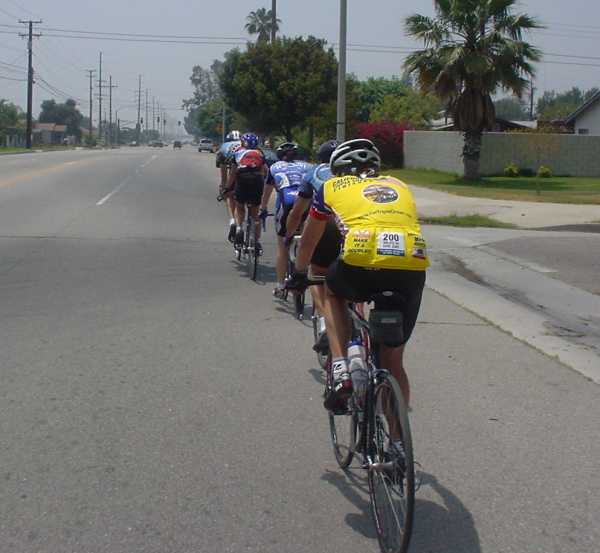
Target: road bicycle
373,425
300,296
246,251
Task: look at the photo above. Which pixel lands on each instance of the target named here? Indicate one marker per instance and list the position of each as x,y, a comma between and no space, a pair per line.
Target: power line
12,79
8,13
18,6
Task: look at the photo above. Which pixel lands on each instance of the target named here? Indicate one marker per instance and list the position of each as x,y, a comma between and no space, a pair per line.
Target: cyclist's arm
295,217
266,196
223,169
313,230
232,176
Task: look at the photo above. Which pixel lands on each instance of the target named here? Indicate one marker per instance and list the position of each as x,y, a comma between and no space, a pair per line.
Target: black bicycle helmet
287,149
325,150
355,157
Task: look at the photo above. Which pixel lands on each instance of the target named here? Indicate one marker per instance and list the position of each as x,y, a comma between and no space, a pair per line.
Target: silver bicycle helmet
354,157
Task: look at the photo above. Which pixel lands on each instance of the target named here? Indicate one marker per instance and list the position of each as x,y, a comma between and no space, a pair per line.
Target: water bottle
357,367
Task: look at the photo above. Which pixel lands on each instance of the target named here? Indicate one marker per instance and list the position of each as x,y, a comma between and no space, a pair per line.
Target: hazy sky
166,67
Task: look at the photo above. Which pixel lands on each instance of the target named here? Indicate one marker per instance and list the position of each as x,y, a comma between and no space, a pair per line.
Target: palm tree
260,22
472,48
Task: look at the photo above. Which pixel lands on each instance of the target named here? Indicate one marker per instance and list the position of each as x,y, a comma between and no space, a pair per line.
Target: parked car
206,145
177,144
157,144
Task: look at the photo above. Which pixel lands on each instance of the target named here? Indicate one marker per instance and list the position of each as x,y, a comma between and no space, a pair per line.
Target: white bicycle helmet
354,157
233,135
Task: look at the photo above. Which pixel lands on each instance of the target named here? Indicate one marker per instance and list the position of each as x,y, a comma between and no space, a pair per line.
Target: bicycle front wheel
391,473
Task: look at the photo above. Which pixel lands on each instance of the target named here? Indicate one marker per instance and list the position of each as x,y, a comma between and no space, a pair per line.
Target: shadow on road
318,375
445,527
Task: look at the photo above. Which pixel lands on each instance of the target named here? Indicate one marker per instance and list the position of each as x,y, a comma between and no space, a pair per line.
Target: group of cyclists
359,230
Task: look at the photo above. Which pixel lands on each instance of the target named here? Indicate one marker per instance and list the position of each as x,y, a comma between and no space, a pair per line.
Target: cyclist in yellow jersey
383,251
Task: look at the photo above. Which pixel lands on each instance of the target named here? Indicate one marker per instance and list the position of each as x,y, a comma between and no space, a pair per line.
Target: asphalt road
153,399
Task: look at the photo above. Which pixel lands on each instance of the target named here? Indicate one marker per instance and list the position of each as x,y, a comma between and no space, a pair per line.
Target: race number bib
390,243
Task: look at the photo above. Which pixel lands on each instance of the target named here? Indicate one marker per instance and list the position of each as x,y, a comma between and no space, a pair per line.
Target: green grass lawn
570,190
473,220
12,150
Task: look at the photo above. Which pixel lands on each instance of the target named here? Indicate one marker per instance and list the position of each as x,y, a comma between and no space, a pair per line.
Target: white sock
339,365
231,221
238,228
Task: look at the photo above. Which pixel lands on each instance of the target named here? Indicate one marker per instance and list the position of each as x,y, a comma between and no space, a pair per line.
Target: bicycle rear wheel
343,429
252,253
391,479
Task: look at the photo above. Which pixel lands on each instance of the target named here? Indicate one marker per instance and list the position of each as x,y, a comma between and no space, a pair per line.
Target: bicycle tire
392,492
252,253
343,429
321,358
299,304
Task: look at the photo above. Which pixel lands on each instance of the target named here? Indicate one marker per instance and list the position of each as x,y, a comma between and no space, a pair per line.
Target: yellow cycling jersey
378,218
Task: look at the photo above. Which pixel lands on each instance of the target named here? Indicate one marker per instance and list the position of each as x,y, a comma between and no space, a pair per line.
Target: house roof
52,127
582,108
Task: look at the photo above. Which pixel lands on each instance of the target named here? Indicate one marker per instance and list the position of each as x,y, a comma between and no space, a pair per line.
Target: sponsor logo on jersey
379,194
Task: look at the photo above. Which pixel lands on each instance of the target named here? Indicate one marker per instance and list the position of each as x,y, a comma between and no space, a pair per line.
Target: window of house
583,131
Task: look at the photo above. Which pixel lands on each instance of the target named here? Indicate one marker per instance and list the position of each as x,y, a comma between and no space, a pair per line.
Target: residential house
585,120
48,133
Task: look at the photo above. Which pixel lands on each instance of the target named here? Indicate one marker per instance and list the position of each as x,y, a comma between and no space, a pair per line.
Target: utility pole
532,90
91,73
29,37
153,117
146,120
341,99
224,122
100,100
273,20
110,125
139,99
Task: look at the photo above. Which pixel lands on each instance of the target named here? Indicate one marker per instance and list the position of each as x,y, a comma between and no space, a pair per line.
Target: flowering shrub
388,137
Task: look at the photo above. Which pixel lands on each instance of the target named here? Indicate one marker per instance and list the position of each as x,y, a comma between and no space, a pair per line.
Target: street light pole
273,20
341,99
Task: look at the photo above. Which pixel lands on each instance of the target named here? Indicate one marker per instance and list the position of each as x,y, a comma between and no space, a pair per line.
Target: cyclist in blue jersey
224,161
287,176
328,248
247,179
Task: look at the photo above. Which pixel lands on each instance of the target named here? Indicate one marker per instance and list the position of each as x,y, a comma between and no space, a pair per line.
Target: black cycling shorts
249,188
329,245
358,284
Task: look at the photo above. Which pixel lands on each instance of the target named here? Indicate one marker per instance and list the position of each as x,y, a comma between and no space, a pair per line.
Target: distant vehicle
156,144
177,144
133,143
206,145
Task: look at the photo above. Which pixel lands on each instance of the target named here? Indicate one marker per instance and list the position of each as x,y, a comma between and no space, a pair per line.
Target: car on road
206,145
177,144
156,144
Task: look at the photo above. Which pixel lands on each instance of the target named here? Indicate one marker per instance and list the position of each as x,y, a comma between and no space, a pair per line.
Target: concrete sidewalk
432,203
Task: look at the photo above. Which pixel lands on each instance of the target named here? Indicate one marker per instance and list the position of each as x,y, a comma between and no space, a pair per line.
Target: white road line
149,161
108,196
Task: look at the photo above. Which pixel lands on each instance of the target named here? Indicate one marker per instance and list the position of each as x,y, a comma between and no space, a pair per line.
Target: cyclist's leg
323,257
410,284
281,262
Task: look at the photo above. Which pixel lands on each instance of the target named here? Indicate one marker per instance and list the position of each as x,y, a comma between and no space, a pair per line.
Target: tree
511,108
260,22
372,91
62,114
9,117
411,109
554,105
472,48
281,85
